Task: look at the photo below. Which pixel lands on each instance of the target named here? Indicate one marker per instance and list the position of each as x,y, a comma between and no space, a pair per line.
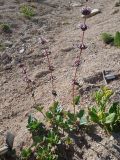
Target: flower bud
51,68
86,11
75,83
82,46
54,93
83,27
77,63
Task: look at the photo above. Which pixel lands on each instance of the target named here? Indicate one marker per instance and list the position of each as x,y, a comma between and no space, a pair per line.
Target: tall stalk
29,82
51,69
85,11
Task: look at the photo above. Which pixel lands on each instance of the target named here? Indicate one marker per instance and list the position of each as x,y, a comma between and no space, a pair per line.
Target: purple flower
83,27
75,82
86,11
82,46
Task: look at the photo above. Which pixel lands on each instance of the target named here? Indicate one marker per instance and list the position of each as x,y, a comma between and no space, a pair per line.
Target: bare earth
58,21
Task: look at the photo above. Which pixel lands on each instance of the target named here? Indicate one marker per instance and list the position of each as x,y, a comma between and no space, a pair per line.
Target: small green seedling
107,38
117,39
5,28
27,11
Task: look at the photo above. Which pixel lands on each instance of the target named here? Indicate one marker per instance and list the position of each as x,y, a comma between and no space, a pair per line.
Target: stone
3,150
8,43
67,49
111,138
110,76
1,131
22,50
75,4
93,13
10,139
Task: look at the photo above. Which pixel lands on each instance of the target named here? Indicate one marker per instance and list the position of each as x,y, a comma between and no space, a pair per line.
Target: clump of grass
117,39
27,11
5,28
107,38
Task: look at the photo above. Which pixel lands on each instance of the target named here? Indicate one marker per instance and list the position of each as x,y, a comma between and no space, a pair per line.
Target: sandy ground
58,21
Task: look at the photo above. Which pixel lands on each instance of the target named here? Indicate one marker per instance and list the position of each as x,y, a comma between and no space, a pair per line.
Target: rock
115,11
111,138
22,50
93,13
1,132
41,74
10,139
75,4
5,59
8,43
67,49
25,39
117,3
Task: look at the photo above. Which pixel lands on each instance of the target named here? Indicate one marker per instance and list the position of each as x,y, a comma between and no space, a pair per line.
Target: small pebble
22,51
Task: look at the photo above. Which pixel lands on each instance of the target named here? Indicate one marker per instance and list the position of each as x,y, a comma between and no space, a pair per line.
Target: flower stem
77,66
51,75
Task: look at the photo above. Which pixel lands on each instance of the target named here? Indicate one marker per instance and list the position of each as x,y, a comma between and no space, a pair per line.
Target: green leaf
76,100
31,118
54,106
39,108
68,140
117,39
110,118
37,139
113,108
49,115
93,115
80,113
71,116
25,154
83,121
33,126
